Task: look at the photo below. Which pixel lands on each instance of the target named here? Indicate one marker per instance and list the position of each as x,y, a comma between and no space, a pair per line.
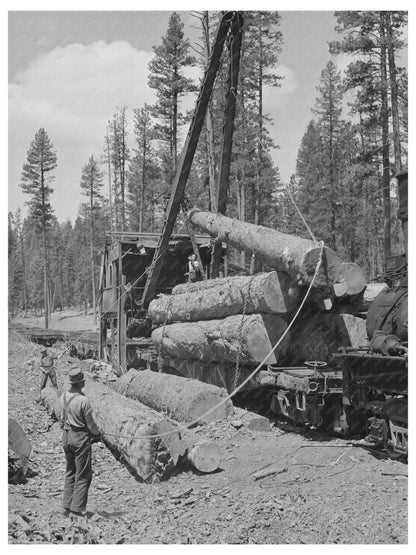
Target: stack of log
206,329
147,442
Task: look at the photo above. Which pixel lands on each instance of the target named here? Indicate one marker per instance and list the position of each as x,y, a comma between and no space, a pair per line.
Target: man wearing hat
46,364
78,428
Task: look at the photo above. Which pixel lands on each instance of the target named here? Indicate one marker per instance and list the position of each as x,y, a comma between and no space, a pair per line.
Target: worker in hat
47,366
78,430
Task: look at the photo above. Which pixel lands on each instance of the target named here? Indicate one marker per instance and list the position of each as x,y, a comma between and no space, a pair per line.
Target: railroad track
85,344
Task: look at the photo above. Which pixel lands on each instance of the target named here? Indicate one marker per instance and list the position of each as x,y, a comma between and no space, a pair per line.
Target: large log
294,255
245,338
317,336
183,399
352,281
129,429
221,374
219,298
20,447
371,291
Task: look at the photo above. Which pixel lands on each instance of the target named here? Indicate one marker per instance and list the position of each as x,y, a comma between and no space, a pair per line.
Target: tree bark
221,374
384,117
185,400
393,95
246,339
288,253
127,427
222,297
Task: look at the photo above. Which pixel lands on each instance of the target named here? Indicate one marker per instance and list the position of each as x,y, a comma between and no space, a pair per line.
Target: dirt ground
325,490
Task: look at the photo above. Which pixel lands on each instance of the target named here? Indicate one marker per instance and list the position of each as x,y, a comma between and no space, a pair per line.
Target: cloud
72,92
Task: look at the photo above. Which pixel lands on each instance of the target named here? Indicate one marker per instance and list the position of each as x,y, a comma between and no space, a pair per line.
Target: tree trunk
110,195
222,297
294,255
127,427
384,116
221,374
393,95
209,121
183,399
236,338
94,302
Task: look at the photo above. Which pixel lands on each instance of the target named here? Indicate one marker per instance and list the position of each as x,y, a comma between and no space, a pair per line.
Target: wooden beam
187,158
227,142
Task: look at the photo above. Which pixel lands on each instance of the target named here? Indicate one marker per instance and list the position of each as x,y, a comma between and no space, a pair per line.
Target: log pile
128,429
149,444
219,330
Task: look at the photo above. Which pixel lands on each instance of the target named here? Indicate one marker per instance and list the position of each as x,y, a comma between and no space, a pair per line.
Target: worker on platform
194,272
47,366
79,429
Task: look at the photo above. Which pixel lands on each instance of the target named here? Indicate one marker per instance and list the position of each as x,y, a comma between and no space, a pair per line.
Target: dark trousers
52,375
78,475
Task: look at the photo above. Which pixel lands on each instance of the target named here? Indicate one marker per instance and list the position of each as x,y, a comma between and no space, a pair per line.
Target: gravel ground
323,491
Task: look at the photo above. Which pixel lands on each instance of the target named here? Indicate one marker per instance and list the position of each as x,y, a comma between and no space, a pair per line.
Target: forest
344,187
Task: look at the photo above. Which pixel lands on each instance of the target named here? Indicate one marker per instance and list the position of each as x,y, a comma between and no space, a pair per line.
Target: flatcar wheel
390,450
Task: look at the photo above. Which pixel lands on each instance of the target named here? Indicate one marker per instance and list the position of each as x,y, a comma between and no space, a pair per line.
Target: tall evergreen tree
91,183
144,172
370,38
166,76
36,180
328,110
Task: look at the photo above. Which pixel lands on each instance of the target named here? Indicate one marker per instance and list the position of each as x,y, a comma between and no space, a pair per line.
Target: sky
69,71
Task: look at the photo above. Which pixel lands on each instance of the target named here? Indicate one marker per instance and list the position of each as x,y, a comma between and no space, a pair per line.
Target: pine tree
119,156
167,78
369,37
328,111
91,183
36,179
144,171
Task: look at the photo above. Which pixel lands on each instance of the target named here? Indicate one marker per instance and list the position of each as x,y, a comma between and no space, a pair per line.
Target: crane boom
185,164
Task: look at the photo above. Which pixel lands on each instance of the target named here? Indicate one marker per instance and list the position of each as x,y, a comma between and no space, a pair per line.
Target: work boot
65,512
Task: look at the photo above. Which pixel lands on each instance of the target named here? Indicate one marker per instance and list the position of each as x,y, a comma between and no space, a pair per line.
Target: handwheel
316,363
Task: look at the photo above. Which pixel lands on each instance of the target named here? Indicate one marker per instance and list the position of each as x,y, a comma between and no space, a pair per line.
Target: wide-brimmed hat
75,375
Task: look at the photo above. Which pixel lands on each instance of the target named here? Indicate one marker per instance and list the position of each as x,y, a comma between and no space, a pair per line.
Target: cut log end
329,272
205,457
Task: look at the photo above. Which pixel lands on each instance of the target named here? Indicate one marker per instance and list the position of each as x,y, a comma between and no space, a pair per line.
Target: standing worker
47,366
194,272
78,429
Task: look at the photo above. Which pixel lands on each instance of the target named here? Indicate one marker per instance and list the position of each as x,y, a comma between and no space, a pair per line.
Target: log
371,291
248,338
219,298
221,374
49,398
127,427
352,281
317,336
288,253
205,456
183,399
18,445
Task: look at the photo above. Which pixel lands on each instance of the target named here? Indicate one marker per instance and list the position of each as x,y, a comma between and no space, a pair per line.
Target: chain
159,350
240,335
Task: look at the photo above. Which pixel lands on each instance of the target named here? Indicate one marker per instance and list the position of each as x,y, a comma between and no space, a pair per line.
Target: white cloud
72,92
